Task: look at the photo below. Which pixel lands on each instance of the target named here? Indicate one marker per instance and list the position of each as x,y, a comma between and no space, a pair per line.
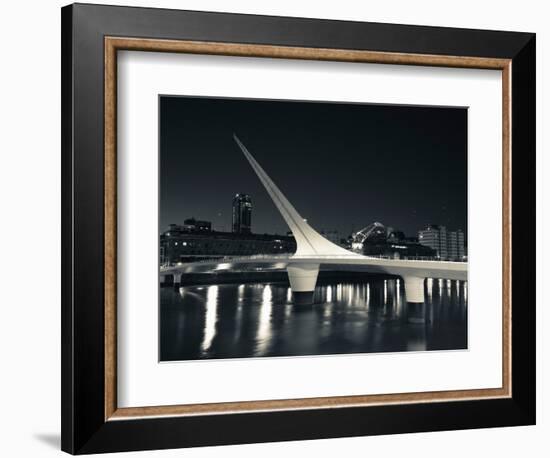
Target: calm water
251,320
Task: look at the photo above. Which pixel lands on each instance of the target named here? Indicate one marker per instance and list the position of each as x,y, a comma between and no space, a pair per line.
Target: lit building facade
449,245
188,243
242,214
455,245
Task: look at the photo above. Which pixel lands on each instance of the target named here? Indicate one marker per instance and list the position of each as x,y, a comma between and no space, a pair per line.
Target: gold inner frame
114,44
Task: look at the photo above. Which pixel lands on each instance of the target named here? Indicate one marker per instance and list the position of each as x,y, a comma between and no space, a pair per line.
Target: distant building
187,242
395,236
242,214
379,240
449,245
197,225
435,237
455,245
405,248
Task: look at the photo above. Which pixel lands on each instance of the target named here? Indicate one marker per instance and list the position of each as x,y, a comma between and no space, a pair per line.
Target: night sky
342,166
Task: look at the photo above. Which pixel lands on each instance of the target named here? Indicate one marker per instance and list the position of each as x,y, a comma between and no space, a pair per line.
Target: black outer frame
84,429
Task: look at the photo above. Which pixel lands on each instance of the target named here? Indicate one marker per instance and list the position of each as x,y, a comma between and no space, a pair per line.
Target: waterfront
355,316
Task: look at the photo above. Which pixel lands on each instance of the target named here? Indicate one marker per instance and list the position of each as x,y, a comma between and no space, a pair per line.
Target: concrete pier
303,278
414,289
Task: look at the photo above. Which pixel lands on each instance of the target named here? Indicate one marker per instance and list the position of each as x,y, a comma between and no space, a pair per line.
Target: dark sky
343,166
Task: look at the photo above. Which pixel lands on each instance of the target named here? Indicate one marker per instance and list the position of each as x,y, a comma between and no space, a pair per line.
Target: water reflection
210,316
251,320
264,321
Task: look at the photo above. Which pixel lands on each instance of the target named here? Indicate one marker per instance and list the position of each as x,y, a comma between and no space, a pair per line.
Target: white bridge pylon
309,243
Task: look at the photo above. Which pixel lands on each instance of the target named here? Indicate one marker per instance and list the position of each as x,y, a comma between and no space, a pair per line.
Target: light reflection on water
253,320
211,316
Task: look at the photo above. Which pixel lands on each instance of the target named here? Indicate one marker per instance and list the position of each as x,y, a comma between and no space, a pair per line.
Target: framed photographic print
271,222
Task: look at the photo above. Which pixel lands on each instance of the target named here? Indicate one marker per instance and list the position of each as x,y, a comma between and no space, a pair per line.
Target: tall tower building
448,244
242,214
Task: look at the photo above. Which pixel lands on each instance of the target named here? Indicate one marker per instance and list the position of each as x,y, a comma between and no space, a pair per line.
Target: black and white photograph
298,228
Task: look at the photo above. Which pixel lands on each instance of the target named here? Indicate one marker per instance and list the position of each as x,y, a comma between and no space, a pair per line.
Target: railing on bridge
275,257
222,259
415,258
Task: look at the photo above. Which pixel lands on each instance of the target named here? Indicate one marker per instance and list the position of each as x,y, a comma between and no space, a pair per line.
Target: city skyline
230,228
337,162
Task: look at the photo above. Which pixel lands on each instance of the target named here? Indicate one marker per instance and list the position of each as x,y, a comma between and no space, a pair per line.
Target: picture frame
92,35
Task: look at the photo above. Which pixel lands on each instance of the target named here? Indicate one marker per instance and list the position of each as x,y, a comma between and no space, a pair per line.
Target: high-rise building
455,243
435,237
449,245
242,214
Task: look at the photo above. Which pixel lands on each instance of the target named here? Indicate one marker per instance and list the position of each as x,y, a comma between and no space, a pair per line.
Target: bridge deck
401,267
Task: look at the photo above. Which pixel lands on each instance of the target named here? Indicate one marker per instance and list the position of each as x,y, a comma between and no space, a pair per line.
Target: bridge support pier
303,278
177,281
414,289
414,293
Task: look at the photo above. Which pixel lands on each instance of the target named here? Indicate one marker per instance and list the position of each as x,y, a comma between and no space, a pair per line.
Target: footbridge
314,251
